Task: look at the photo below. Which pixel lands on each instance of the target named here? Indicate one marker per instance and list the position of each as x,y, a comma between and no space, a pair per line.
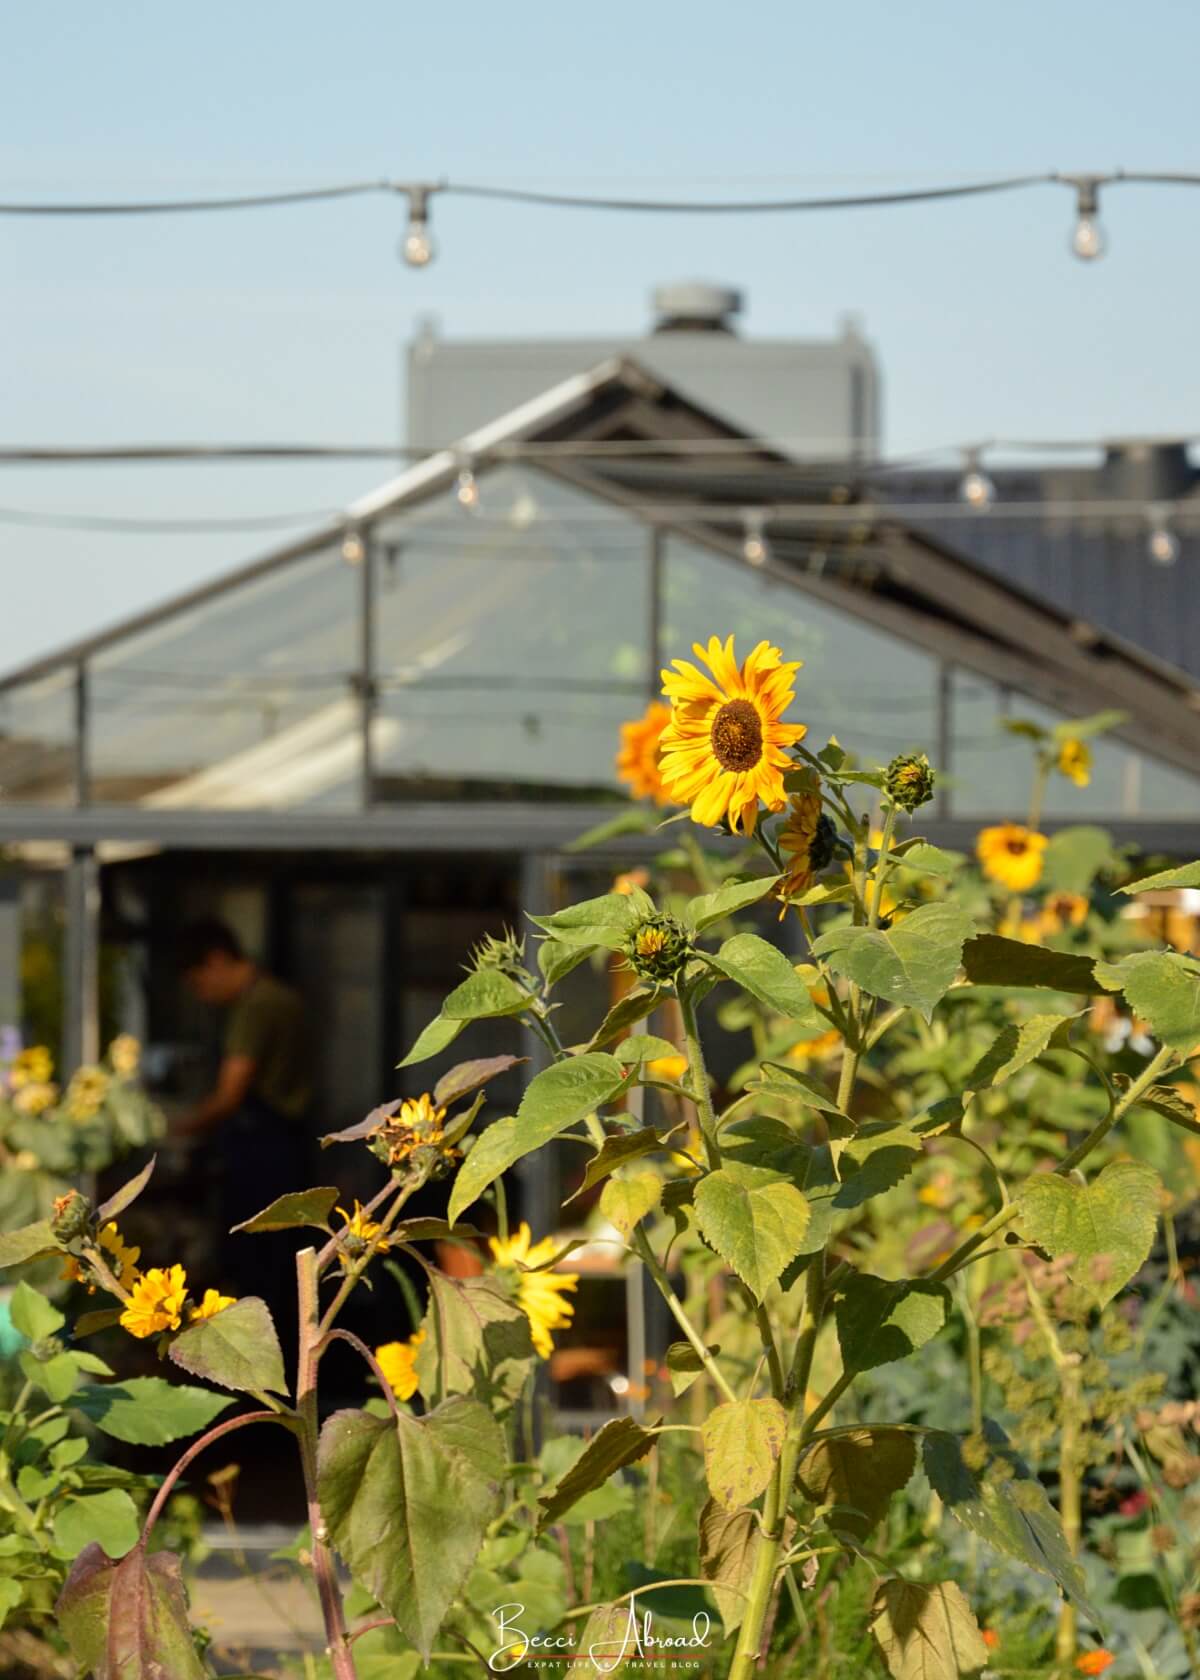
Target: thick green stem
702,1096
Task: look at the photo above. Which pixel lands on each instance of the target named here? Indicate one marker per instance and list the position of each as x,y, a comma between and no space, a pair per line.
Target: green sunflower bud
71,1217
909,781
658,947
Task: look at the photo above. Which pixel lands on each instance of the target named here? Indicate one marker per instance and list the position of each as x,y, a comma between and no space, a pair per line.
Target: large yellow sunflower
539,1294
1011,855
637,756
724,748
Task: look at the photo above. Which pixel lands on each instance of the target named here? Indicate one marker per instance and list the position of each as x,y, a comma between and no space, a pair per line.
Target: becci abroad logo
623,1636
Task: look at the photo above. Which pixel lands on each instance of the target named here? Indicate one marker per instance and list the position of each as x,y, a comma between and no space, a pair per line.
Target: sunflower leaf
700,913
762,970
912,963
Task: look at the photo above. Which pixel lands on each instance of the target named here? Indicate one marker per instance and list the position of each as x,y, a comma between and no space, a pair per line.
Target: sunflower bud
909,781
71,1216
658,947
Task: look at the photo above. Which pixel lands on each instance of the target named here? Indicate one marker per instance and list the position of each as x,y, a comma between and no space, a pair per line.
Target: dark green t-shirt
267,1024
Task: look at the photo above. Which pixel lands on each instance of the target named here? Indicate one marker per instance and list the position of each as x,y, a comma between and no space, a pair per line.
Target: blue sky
289,324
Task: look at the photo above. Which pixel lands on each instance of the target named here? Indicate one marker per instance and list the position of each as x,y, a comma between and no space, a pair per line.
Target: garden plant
964,1123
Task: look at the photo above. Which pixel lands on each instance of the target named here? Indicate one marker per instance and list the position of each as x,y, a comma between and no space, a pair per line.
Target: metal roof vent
1147,472
694,306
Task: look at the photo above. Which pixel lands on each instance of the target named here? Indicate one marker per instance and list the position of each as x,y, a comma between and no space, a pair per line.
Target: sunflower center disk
737,737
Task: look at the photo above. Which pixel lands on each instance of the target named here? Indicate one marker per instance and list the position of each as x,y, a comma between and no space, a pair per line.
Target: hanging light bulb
975,488
755,550
417,247
1162,545
466,488
354,549
1087,237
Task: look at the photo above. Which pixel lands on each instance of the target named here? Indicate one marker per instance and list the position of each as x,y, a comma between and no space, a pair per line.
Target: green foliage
927,1632
128,1620
238,1348
1103,1230
298,1208
148,1412
754,1218
619,1442
476,1343
742,1443
878,1322
856,1473
913,963
1162,987
765,973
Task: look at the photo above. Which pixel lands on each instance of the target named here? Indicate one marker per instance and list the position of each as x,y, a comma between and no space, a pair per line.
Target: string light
1088,240
755,551
1162,545
975,488
418,248
354,549
466,488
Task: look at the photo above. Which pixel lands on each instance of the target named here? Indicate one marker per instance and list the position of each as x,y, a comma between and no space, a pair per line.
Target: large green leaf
619,1442
762,970
926,1632
408,1501
297,1208
28,1243
108,1519
801,1087
148,1411
990,960
432,1040
912,963
127,1194
32,1314
129,1620
476,1342
1162,987
629,1197
484,996
1004,1504
1104,1230
875,1160
878,1321
1166,880
729,1542
700,913
742,1441
858,1470
237,1348
595,922
466,1077
572,1089
754,1218
1018,1044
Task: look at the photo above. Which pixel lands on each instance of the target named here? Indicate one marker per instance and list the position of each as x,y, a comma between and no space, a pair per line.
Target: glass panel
992,770
37,741
510,645
876,694
246,700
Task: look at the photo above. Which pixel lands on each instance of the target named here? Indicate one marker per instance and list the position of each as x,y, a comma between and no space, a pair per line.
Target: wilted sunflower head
1011,855
807,839
724,749
658,947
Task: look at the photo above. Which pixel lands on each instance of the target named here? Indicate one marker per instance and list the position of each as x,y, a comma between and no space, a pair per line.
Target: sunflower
31,1067
724,748
156,1302
360,1231
86,1093
637,756
124,1055
416,1122
1011,855
1062,910
213,1303
398,1362
539,1294
1075,761
124,1260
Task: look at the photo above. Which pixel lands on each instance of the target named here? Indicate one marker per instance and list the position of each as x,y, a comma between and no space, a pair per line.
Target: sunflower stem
701,1094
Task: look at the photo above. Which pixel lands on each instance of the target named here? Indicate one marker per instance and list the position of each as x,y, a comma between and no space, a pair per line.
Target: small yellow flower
35,1098
1075,761
34,1066
213,1303
418,1122
667,1067
359,1231
539,1294
1062,910
124,1055
86,1093
1011,855
397,1361
633,880
724,749
650,942
156,1302
637,756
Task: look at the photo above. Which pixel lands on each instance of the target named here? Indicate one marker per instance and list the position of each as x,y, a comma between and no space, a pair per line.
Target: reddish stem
197,1447
370,1627
360,1347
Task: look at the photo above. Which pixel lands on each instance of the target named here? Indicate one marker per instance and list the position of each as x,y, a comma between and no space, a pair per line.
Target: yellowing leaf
742,1441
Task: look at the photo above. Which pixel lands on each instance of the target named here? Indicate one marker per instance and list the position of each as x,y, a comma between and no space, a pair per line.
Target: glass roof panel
37,741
